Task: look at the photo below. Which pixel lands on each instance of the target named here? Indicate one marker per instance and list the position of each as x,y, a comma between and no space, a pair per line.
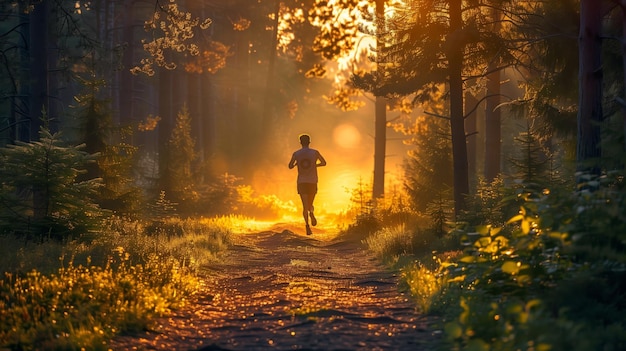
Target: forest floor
282,290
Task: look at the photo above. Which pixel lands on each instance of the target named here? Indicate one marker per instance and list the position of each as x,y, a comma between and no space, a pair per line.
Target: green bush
425,285
40,194
552,278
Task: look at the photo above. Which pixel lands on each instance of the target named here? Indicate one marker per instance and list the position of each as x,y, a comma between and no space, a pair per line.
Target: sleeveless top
306,160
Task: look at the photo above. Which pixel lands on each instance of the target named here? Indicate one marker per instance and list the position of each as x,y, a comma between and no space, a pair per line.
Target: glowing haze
345,139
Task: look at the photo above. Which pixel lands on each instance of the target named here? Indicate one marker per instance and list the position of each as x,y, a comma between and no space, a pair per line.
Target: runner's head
305,139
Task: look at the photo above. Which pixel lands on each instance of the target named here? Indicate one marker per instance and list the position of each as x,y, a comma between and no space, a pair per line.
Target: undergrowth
116,283
550,277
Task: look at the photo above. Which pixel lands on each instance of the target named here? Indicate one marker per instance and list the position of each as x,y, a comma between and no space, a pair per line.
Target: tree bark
209,120
38,92
493,122
457,123
380,141
588,149
165,126
126,113
270,82
471,128
622,4
493,119
380,123
38,67
21,127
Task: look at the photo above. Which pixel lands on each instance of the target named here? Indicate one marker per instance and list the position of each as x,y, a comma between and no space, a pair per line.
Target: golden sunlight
335,191
346,136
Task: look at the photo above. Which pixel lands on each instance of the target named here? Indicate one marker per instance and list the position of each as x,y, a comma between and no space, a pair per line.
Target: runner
307,161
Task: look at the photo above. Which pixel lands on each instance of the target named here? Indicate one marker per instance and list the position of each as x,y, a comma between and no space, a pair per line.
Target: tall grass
421,256
79,294
390,242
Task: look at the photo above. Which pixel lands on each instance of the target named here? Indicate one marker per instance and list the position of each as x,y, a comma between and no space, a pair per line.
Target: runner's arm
292,162
322,161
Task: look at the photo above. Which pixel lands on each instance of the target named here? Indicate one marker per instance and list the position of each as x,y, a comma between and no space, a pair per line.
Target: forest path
282,290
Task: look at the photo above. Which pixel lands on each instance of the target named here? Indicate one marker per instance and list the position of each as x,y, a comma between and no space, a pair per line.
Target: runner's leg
305,208
311,209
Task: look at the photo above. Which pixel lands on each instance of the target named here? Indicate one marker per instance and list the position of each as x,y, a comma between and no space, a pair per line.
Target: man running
307,161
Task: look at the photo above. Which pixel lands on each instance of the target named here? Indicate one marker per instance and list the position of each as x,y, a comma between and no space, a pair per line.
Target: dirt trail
282,290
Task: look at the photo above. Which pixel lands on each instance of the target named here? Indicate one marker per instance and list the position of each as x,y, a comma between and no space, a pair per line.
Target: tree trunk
380,141
38,67
588,149
22,123
126,89
209,122
380,123
165,126
196,115
270,83
623,42
38,92
493,120
457,123
471,128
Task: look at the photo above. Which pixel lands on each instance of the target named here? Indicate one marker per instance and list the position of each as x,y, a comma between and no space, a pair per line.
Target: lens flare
346,136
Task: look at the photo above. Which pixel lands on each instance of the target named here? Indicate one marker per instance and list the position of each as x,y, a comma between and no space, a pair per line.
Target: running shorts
307,188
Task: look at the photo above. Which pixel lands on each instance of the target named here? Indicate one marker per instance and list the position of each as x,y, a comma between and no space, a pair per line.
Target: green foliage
536,164
220,196
114,160
362,212
551,277
162,207
419,254
40,192
193,241
119,191
491,203
371,216
613,142
428,168
531,164
181,156
223,195
425,285
441,213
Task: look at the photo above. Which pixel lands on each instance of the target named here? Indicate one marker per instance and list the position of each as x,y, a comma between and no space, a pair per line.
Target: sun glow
346,136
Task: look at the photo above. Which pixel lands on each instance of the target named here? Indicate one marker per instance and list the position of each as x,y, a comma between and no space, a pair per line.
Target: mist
346,141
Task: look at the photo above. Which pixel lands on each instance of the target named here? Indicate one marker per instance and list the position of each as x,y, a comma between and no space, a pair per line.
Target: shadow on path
278,290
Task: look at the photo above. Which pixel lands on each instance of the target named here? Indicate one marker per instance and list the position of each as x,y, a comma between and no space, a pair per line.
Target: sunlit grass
78,294
388,243
421,256
48,311
240,224
424,284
